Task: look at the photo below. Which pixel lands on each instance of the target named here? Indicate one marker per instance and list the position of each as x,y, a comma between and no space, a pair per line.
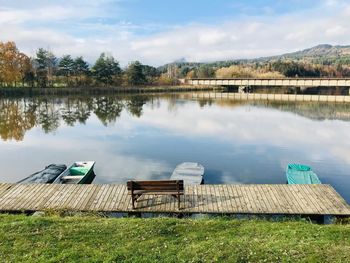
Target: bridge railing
291,82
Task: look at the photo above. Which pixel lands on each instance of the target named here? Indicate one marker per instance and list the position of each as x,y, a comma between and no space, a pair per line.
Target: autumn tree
14,65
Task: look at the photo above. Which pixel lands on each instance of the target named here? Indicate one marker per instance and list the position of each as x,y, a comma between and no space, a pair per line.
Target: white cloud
336,30
81,34
49,13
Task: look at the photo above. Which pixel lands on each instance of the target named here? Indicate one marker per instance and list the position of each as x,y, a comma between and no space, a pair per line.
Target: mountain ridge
322,53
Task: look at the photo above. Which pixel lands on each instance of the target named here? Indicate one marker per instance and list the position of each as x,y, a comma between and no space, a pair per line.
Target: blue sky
158,32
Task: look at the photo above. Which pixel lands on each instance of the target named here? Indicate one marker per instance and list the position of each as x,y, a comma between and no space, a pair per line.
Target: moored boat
45,176
190,173
301,174
78,173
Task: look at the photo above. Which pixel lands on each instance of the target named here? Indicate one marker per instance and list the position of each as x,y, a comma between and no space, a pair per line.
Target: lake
146,136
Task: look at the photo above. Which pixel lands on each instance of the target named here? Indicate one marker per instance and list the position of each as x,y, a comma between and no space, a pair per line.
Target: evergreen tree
80,66
205,71
135,74
81,69
66,66
41,67
105,69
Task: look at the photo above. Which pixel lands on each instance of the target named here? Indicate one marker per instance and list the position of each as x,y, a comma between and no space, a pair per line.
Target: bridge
271,82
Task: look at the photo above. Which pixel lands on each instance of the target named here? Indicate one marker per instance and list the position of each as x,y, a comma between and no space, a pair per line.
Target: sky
156,32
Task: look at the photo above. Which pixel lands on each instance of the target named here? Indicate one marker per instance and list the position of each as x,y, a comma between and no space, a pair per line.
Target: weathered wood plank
237,198
80,196
283,204
268,198
50,199
304,201
339,203
4,188
311,198
11,198
230,198
97,199
69,199
102,197
108,203
42,200
90,195
251,199
291,197
118,198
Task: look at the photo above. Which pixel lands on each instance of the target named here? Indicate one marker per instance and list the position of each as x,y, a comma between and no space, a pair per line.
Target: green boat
78,173
301,174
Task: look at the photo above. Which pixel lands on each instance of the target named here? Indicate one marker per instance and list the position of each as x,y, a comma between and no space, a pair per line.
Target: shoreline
23,92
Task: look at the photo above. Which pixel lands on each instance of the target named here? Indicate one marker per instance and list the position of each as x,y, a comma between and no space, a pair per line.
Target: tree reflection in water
18,115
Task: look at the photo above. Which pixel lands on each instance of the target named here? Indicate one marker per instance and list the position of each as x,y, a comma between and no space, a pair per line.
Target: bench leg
178,200
133,201
134,198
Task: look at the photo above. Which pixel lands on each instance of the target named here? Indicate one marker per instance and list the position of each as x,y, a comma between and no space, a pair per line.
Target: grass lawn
97,239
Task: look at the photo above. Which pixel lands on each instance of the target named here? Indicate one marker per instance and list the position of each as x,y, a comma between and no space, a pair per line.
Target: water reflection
17,116
20,115
146,136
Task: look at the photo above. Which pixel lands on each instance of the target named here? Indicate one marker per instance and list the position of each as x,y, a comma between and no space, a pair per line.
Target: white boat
78,173
190,173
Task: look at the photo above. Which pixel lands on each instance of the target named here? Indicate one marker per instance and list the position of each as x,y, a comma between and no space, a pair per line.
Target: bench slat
156,185
158,192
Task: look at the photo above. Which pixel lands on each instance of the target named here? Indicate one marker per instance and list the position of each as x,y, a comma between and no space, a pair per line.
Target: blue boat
301,174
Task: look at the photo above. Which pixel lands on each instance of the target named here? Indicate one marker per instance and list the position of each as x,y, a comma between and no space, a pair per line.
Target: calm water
144,137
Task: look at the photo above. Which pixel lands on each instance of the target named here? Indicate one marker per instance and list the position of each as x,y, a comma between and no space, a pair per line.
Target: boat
45,176
190,173
301,174
77,173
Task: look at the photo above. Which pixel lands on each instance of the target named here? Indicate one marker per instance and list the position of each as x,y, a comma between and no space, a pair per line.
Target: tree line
262,69
46,70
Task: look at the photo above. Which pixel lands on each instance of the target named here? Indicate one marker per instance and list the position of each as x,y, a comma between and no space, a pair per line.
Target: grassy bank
94,239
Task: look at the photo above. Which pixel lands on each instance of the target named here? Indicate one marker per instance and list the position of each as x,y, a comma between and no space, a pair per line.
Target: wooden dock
214,199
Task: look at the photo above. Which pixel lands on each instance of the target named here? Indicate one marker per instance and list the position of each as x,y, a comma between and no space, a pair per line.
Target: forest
45,69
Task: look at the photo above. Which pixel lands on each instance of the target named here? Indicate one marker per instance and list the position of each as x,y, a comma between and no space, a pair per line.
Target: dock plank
49,199
89,196
80,196
220,199
11,198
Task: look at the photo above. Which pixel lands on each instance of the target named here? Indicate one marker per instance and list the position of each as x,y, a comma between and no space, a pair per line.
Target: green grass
96,239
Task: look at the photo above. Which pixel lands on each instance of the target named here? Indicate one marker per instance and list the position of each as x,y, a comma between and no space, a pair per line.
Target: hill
323,51
321,54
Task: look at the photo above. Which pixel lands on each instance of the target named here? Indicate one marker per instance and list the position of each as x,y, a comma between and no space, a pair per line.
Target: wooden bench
164,187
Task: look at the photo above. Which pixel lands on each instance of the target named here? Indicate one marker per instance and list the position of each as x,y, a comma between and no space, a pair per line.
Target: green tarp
78,170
